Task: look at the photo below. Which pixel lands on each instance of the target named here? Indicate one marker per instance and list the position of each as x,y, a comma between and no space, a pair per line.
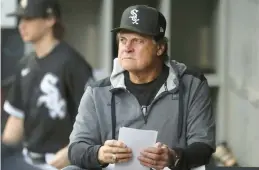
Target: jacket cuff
91,156
179,152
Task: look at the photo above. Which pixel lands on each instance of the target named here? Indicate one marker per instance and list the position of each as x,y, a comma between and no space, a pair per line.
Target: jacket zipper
144,113
147,109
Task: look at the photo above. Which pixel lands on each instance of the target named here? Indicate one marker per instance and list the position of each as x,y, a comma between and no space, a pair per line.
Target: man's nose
21,24
128,46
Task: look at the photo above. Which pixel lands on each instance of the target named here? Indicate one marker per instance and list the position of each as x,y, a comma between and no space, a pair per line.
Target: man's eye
139,41
122,40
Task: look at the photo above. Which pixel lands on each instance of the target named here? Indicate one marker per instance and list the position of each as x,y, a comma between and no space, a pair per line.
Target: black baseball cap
37,9
143,19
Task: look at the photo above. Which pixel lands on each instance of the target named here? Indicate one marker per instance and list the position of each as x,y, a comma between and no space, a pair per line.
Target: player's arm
78,74
13,132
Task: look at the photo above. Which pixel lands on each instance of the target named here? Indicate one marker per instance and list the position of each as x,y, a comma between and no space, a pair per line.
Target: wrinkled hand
157,157
114,151
61,159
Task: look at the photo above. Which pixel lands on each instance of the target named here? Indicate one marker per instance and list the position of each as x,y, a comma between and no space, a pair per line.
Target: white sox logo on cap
24,3
134,16
161,29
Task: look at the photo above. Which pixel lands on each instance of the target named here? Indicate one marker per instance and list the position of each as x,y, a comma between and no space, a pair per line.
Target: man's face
136,52
33,29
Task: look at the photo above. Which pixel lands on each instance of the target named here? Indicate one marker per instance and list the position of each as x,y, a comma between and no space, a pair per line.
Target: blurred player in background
43,100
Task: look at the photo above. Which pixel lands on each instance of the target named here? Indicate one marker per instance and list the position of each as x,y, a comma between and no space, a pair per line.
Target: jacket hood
176,69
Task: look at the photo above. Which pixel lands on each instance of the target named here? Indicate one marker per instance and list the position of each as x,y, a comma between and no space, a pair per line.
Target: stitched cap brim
18,13
132,29
22,14
14,14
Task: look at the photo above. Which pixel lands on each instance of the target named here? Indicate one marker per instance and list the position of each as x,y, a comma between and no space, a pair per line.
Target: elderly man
145,91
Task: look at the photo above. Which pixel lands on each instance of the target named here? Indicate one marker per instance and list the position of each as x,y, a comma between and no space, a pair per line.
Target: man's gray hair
163,41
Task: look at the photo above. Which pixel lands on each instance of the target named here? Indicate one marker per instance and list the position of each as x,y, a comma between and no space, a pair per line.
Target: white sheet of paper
199,168
137,140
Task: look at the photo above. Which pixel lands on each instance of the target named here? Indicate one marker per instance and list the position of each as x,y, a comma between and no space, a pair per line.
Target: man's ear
51,21
160,49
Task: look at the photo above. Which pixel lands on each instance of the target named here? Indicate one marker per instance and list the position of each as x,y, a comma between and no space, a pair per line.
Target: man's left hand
157,157
60,159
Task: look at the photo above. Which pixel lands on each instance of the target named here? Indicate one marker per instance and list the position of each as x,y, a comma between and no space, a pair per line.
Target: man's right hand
114,151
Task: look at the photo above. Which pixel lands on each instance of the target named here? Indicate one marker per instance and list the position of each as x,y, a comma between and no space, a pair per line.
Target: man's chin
129,66
26,40
132,69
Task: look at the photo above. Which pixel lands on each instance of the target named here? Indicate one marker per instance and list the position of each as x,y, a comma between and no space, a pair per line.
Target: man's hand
114,152
61,159
157,157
